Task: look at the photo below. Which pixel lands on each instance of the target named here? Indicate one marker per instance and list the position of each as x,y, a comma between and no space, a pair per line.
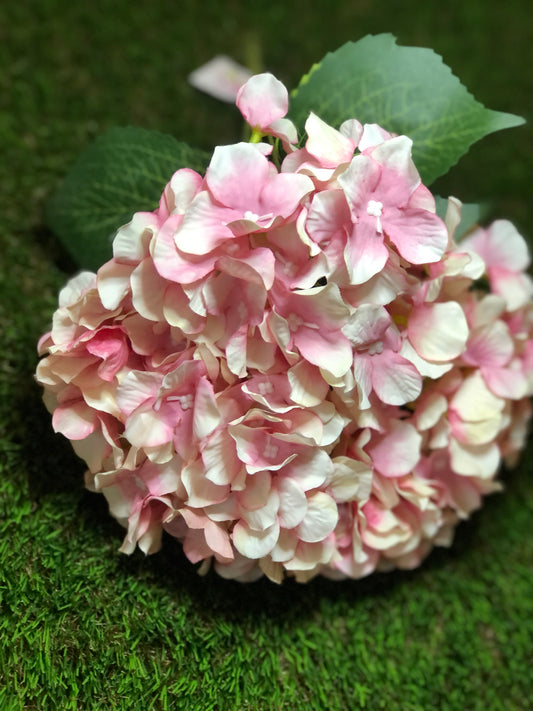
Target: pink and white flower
296,371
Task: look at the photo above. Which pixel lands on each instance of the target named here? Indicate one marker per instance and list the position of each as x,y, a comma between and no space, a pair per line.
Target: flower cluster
292,367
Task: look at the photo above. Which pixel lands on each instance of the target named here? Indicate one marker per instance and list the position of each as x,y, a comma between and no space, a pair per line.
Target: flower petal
320,520
254,544
438,331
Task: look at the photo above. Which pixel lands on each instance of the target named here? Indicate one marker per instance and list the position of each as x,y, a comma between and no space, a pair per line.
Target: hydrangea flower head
290,366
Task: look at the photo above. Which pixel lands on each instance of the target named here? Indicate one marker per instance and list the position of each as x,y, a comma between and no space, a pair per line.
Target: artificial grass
84,627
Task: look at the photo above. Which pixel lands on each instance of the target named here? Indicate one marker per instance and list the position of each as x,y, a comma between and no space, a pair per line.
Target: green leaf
406,90
122,172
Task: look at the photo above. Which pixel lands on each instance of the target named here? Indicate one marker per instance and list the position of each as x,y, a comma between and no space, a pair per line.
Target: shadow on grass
55,251
51,464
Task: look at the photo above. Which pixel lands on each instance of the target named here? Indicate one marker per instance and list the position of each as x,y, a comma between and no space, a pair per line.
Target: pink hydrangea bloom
294,369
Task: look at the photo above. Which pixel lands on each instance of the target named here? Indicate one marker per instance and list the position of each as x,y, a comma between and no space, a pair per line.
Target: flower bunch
290,365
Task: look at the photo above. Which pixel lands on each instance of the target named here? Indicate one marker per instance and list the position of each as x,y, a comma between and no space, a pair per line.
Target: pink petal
365,254
284,129
501,245
76,288
75,421
509,383
148,429
474,402
180,191
359,180
171,263
490,346
352,129
328,213
395,156
285,546
398,451
109,344
362,371
204,226
283,193
309,557
217,538
419,235
237,175
258,449
131,242
372,136
429,409
396,381
262,100
366,325
330,351
515,288
257,266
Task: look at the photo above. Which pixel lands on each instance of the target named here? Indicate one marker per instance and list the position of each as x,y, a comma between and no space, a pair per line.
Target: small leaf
406,90
122,172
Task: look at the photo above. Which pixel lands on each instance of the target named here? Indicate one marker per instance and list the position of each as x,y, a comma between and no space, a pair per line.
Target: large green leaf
123,172
407,90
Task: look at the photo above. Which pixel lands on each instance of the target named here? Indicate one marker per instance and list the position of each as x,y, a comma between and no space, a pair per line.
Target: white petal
351,480
326,144
424,367
429,410
206,414
310,470
263,518
256,491
285,546
221,77
307,386
320,520
474,402
201,491
481,461
113,283
438,331
308,556
254,544
293,503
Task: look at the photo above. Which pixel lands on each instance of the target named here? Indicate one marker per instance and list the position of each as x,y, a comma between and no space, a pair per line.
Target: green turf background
83,627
